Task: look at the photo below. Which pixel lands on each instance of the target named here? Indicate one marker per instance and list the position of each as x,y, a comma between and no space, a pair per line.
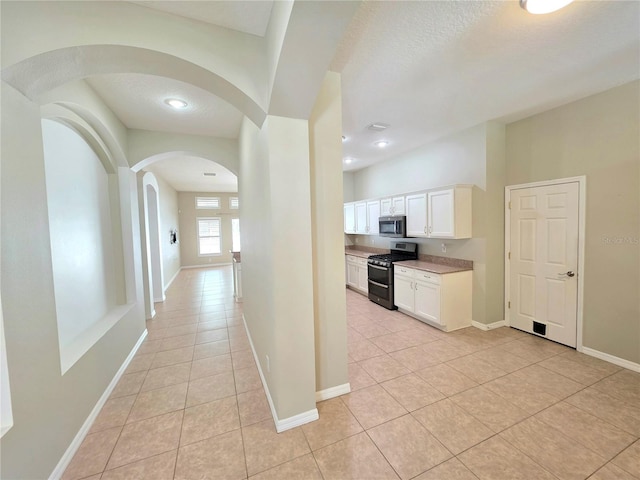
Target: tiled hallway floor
424,404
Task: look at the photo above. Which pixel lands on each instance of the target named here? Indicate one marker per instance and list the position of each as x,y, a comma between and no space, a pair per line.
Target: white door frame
582,203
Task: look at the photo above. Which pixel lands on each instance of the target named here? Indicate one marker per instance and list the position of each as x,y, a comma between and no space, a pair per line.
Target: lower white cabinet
443,300
357,273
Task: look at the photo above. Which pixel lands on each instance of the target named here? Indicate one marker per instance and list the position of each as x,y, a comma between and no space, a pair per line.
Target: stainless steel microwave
395,226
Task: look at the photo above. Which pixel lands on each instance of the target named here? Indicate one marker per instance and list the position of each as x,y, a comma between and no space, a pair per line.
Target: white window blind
234,203
207,202
209,236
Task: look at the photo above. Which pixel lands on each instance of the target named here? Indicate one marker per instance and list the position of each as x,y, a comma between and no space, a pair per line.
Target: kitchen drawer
352,259
404,271
428,277
362,261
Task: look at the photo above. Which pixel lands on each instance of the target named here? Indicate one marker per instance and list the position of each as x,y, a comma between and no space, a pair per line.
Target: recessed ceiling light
176,103
209,174
543,6
378,127
381,143
349,160
344,139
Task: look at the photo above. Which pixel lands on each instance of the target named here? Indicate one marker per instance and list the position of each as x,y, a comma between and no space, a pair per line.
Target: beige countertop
357,253
439,268
432,267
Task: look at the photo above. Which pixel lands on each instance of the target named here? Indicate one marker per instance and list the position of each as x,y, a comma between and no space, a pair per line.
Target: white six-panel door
543,269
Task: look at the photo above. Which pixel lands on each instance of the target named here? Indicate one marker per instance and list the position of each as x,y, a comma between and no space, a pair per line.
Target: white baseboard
86,426
332,392
172,279
621,362
152,316
285,423
207,265
160,300
488,326
297,420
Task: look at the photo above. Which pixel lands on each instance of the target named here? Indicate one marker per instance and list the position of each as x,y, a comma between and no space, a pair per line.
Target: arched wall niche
85,231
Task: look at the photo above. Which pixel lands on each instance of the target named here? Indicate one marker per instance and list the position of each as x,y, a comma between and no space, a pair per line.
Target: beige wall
48,408
325,129
473,156
188,235
168,221
274,185
599,137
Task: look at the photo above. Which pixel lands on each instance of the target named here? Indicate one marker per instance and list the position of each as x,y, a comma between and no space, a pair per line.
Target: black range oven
380,270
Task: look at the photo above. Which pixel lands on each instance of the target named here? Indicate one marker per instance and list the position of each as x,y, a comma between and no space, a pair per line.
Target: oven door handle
378,284
378,268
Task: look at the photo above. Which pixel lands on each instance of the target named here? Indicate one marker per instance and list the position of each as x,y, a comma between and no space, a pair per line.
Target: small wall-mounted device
173,236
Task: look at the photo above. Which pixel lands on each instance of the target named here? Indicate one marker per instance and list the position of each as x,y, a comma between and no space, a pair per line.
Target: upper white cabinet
364,216
449,213
349,218
392,206
416,215
361,217
373,214
438,213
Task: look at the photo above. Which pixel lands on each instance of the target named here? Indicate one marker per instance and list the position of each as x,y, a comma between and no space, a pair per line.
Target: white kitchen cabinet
373,214
349,218
416,215
449,212
443,301
361,218
403,293
392,206
357,274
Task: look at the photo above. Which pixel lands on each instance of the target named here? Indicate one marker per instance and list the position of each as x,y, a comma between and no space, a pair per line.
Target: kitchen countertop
439,265
432,267
359,253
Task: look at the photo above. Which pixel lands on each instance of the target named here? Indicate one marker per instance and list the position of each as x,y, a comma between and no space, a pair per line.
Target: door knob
570,274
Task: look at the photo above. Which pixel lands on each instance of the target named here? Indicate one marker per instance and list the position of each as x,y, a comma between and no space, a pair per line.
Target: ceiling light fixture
176,103
209,174
543,6
349,160
344,139
381,143
378,127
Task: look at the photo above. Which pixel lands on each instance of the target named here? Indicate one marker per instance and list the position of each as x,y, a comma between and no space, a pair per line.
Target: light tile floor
424,404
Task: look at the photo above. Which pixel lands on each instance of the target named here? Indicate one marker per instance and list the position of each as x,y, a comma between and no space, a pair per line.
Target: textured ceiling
434,67
426,68
138,100
186,174
248,17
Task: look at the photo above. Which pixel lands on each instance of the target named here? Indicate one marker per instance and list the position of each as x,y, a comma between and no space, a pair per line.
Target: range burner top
386,259
399,251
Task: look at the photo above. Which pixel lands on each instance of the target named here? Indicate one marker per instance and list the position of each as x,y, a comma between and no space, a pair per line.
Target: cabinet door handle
416,289
430,228
410,285
425,229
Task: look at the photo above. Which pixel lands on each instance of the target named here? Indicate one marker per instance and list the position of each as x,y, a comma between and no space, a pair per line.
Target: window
207,202
235,234
208,236
234,203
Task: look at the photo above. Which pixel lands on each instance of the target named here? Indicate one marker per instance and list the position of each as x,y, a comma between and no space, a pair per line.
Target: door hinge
508,304
509,255
509,205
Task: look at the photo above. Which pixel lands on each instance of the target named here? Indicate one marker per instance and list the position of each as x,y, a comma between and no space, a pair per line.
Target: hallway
424,404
